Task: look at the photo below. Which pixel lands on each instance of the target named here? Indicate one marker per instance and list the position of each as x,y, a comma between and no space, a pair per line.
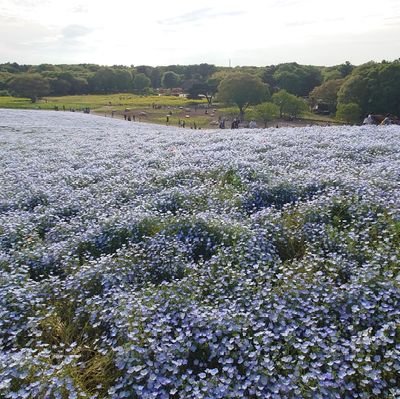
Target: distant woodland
372,87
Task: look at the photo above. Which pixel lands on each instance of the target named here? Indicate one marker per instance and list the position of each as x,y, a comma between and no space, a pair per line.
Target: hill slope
145,261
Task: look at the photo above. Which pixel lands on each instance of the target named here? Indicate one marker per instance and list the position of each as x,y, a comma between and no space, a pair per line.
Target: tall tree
374,87
123,80
170,79
30,85
243,90
208,90
103,81
141,82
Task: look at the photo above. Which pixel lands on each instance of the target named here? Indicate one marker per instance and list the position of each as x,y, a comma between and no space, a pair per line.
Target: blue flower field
142,261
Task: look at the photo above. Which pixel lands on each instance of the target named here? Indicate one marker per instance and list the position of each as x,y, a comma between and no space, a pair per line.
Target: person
252,124
387,120
167,119
368,120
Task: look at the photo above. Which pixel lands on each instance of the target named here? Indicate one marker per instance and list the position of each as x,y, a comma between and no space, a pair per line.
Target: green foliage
229,112
5,77
207,89
337,72
243,90
266,112
141,82
349,113
297,79
103,81
289,105
331,74
170,80
374,87
31,86
326,93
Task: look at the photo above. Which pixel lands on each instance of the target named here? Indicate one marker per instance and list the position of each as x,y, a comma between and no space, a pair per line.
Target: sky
220,32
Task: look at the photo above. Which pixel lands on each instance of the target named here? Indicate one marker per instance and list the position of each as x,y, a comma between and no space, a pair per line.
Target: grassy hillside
153,109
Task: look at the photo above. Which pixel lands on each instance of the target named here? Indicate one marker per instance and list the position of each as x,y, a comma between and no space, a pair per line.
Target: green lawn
179,106
97,102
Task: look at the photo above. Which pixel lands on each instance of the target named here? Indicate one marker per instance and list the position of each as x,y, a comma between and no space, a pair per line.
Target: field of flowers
141,261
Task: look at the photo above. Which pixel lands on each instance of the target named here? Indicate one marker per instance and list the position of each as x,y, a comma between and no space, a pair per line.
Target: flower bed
143,261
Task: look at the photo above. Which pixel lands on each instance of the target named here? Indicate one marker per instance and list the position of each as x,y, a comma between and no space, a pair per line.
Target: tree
268,77
326,93
32,86
331,74
267,112
170,80
123,80
289,105
104,81
206,70
345,69
206,89
374,87
349,113
141,82
155,78
243,90
5,77
297,79
59,87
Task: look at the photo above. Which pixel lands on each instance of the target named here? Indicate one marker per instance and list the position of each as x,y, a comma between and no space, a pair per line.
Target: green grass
98,102
104,104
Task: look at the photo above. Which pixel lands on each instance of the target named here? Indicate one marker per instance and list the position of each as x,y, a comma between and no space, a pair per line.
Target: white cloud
252,32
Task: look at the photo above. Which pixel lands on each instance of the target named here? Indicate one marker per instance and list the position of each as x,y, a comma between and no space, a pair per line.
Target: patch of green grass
98,102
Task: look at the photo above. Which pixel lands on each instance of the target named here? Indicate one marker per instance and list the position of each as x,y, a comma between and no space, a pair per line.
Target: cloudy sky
162,32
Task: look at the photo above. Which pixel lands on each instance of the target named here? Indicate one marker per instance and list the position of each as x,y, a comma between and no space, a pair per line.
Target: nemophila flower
147,262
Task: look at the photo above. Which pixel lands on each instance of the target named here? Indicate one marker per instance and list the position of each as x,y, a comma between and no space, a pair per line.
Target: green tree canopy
103,81
289,105
374,87
141,82
123,80
170,80
31,85
267,112
297,79
326,93
207,89
5,77
243,90
349,113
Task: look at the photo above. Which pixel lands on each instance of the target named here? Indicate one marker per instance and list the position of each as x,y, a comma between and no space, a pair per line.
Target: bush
349,113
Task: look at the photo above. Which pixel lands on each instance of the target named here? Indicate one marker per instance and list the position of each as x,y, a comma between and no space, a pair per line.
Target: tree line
369,88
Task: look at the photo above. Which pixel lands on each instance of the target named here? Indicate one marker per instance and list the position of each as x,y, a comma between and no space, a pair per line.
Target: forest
373,87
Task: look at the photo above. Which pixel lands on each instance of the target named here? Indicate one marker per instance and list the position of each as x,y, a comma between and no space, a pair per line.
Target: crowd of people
375,119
